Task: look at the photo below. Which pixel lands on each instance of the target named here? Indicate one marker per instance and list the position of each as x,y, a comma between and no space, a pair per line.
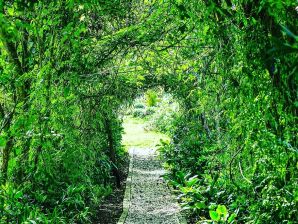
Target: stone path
147,197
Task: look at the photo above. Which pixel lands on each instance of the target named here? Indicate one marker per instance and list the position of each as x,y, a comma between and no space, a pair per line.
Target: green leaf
214,215
232,218
200,205
10,11
222,210
192,181
2,142
289,33
18,195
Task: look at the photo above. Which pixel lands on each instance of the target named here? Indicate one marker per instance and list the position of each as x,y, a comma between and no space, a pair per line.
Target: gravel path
147,198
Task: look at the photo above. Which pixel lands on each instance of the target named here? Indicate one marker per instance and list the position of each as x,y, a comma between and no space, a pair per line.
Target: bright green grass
136,135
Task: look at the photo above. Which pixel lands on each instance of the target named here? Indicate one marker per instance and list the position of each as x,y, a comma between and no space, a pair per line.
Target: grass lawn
136,135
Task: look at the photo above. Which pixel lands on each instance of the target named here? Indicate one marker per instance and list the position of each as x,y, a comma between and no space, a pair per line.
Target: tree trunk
112,153
5,159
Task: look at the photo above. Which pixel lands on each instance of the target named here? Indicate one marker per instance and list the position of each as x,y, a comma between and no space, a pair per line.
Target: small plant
151,98
150,111
221,215
139,106
16,207
141,113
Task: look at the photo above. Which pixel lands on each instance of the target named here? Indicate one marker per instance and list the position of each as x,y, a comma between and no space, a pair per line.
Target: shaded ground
111,207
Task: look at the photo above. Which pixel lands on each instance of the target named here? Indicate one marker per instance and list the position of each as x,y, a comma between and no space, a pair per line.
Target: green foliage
221,215
16,207
161,117
139,106
237,132
141,113
151,98
60,135
166,115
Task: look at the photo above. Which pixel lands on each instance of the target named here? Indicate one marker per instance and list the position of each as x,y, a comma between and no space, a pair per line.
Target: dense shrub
151,98
60,133
141,113
236,141
165,116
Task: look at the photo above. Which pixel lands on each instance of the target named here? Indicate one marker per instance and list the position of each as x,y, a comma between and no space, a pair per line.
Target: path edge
127,194
181,218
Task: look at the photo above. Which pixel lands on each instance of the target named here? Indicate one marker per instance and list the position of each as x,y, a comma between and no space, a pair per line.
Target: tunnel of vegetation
66,67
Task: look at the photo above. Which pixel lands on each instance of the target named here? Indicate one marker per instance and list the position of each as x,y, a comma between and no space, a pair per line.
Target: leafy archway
67,67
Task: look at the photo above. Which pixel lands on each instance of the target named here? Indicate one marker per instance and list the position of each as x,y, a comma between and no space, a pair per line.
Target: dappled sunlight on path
150,200
147,197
